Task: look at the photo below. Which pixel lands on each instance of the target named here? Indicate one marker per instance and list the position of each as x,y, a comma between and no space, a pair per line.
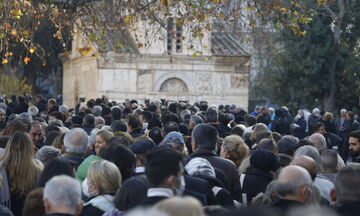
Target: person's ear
47,206
333,195
79,208
193,145
305,193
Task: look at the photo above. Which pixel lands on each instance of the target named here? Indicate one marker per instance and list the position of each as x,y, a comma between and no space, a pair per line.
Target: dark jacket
300,132
21,107
58,214
200,186
311,122
284,205
150,201
255,181
281,125
75,160
347,208
227,166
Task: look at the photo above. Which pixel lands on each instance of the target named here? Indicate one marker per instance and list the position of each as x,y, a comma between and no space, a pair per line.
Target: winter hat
200,166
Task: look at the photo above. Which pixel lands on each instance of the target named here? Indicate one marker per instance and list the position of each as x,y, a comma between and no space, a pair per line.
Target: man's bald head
319,141
292,183
307,163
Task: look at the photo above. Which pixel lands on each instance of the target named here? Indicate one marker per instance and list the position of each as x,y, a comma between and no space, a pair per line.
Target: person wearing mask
164,171
103,181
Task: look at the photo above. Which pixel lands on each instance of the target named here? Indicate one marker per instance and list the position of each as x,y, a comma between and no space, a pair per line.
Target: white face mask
181,189
86,191
85,188
145,125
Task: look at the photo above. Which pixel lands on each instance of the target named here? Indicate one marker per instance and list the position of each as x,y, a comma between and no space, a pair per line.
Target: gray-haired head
347,184
63,108
97,110
312,152
183,114
212,115
286,144
47,153
291,179
329,160
3,106
196,119
33,111
204,136
63,192
26,116
312,211
92,137
319,141
76,141
99,122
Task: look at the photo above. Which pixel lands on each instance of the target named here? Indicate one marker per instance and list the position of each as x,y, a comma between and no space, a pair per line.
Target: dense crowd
169,158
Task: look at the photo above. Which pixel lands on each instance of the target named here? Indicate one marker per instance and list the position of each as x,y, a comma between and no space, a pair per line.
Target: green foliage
9,85
298,75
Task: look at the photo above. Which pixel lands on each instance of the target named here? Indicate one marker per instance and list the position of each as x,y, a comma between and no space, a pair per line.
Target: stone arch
185,79
174,85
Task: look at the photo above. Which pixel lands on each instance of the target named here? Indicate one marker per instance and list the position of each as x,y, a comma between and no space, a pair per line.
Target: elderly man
292,186
62,196
36,133
204,139
346,194
323,183
75,143
319,141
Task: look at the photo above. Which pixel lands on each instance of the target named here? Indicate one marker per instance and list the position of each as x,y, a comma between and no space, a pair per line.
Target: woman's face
223,152
99,145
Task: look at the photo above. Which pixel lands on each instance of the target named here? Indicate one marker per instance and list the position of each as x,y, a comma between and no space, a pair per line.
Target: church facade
214,69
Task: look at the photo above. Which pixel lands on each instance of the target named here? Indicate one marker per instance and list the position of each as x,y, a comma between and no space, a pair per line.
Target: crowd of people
169,158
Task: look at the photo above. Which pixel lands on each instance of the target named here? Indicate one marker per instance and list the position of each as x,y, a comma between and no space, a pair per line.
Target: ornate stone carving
238,81
204,82
174,85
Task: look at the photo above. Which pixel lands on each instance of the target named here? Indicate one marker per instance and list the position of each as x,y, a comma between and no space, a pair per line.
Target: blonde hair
22,168
105,135
179,206
236,148
105,175
257,129
328,116
16,125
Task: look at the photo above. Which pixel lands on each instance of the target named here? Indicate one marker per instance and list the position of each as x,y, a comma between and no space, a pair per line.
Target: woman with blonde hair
234,149
259,127
103,181
19,169
101,140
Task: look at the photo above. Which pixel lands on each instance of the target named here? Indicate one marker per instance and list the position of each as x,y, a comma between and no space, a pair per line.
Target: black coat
300,132
284,205
347,208
227,166
200,186
150,201
255,181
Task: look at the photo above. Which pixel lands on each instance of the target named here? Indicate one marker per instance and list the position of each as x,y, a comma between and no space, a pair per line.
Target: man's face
2,116
36,134
354,146
321,130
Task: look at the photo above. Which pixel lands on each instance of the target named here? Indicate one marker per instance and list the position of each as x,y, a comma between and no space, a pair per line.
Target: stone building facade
219,75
